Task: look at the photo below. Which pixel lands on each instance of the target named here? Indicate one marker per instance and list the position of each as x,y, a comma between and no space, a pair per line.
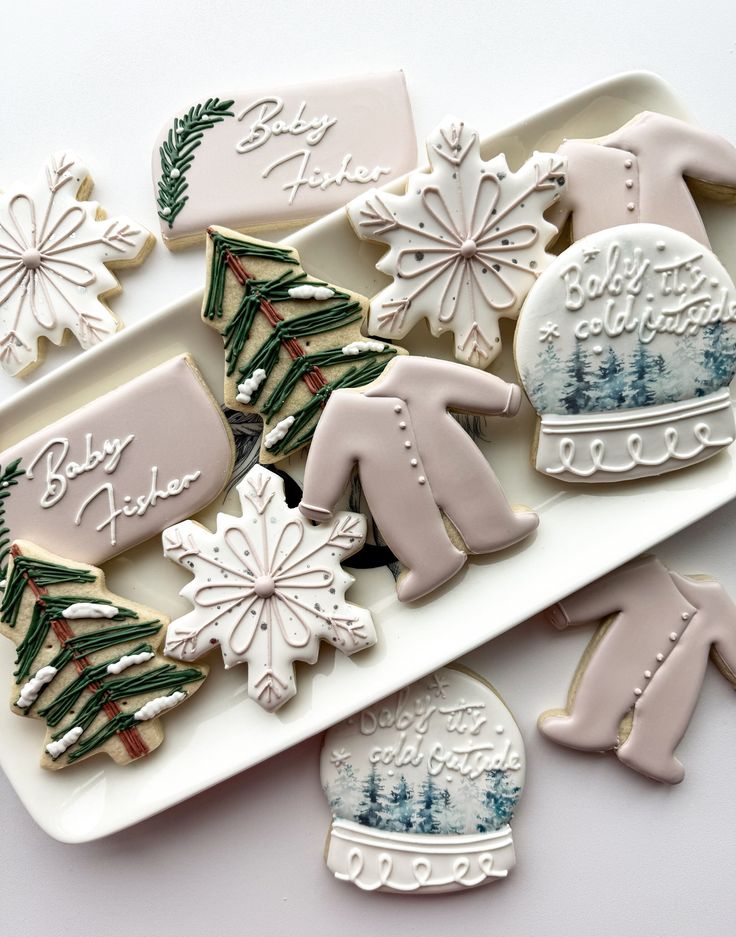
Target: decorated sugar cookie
626,347
637,684
290,340
466,241
418,467
280,155
87,661
57,251
422,788
118,470
267,587
645,172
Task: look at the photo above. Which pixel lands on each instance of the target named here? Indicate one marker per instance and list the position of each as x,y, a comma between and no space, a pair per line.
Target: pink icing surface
367,119
158,441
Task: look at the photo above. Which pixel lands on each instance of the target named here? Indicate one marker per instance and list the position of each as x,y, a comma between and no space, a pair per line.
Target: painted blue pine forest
585,382
464,806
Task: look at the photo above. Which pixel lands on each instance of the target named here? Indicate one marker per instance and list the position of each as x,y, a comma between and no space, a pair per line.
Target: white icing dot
407,444
166,210
673,635
402,425
414,463
499,730
647,674
660,657
630,206
628,163
629,183
397,408
422,480
597,350
660,245
174,173
685,616
637,691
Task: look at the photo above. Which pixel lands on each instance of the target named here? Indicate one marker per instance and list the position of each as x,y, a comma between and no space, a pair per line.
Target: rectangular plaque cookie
278,156
118,470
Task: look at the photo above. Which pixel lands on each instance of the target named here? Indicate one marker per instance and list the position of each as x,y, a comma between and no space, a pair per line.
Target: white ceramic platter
584,532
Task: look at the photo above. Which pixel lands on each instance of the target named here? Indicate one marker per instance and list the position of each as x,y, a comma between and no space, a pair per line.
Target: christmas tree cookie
57,251
87,661
290,340
267,587
422,788
466,241
626,347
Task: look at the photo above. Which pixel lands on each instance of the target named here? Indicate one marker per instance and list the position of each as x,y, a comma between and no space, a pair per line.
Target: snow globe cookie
422,788
626,348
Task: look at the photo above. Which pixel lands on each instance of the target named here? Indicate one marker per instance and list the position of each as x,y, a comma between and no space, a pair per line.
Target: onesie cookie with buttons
637,683
429,488
626,347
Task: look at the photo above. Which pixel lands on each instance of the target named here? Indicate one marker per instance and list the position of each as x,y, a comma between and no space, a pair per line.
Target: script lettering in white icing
131,505
59,471
264,126
321,179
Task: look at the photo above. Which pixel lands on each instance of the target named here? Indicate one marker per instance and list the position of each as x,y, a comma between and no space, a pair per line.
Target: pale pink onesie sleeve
703,155
606,596
466,388
329,464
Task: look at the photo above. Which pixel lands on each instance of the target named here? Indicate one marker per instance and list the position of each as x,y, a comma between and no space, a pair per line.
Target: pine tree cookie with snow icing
466,241
267,587
87,661
422,787
57,254
626,347
290,339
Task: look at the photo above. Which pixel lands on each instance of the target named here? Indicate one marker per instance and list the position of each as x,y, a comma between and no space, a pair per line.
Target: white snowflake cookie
57,251
467,241
267,587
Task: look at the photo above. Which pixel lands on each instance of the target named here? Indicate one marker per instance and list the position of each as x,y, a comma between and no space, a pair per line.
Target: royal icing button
88,662
267,587
598,715
118,470
58,251
466,241
656,399
422,787
280,155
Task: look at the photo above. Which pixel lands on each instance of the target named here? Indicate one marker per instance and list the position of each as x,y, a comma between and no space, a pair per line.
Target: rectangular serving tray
584,532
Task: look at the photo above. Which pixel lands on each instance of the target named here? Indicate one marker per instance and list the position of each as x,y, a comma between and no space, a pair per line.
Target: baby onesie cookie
418,467
267,587
638,681
57,254
290,340
626,346
466,241
422,788
87,661
280,156
645,171
118,470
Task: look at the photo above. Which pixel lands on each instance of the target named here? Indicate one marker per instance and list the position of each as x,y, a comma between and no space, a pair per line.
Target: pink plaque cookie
277,156
120,469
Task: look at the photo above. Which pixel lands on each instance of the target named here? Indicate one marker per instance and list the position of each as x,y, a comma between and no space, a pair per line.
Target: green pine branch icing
104,691
8,480
177,153
331,314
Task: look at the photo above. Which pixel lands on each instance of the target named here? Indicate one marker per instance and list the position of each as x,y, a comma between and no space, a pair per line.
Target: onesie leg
471,496
663,713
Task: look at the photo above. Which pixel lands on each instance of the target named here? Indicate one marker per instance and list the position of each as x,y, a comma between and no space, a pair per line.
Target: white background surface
601,851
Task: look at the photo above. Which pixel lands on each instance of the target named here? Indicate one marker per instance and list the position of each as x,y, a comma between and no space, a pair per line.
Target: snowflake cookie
467,241
57,251
87,661
267,587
